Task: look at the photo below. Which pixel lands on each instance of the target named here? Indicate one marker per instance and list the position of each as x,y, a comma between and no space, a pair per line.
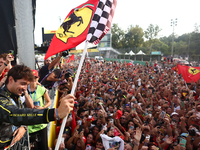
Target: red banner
189,73
74,29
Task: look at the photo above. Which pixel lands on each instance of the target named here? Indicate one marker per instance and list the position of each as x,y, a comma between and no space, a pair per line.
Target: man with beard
48,66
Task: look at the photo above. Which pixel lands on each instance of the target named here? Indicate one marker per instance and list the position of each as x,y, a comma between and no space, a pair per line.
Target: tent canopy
127,53
140,53
131,53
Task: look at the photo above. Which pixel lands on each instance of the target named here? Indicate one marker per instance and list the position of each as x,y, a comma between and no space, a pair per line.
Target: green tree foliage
117,36
134,36
160,46
133,39
181,47
151,33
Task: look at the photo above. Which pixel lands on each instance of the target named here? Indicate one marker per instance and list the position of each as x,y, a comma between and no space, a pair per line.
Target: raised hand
138,134
169,140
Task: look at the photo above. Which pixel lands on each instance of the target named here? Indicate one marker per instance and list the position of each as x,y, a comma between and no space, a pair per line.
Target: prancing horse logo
193,71
73,19
75,24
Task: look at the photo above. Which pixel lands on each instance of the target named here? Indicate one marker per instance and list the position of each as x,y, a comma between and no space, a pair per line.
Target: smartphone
111,121
162,114
80,122
80,129
11,52
182,104
148,137
132,127
182,142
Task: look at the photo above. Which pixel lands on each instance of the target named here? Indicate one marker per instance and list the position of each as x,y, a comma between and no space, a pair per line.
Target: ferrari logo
193,71
75,24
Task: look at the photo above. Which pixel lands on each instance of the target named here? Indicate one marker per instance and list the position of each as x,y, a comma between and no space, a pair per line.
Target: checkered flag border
101,22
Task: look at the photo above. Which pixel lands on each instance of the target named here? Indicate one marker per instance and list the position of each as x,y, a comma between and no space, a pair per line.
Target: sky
50,14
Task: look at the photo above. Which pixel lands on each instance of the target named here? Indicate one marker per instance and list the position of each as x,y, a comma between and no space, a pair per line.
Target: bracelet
5,64
59,79
135,143
25,127
57,117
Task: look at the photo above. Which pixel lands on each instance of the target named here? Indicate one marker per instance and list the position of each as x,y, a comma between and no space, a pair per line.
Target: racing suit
13,115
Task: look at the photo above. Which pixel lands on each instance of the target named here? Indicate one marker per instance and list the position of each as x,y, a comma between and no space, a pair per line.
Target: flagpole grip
72,92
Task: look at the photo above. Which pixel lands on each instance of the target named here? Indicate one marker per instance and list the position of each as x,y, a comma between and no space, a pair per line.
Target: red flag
130,64
175,68
74,29
184,71
189,73
73,120
194,73
70,58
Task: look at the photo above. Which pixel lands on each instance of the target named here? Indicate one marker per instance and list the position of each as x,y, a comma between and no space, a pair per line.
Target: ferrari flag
74,29
189,73
101,21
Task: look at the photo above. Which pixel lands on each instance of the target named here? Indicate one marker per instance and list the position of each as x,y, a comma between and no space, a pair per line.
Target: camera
67,75
192,132
65,53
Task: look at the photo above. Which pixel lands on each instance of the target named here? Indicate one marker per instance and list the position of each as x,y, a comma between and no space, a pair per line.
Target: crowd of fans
147,107
129,107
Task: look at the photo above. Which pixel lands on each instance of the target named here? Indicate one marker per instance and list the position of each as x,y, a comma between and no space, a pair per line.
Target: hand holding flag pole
99,26
72,92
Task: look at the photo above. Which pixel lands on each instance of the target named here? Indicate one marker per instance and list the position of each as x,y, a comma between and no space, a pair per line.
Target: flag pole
72,92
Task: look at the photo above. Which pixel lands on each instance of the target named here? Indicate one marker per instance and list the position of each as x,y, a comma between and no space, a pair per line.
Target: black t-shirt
49,84
43,72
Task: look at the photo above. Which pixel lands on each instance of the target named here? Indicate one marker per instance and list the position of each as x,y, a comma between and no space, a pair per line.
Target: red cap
35,73
119,114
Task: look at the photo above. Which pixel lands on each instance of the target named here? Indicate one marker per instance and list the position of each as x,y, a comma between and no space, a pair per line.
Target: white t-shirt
139,82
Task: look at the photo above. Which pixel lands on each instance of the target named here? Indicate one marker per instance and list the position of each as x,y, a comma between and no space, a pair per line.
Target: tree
182,48
117,36
151,33
160,46
134,36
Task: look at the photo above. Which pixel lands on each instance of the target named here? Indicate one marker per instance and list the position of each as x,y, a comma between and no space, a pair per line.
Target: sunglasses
161,133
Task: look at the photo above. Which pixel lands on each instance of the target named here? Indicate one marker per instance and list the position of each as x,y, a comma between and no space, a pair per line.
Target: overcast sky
128,12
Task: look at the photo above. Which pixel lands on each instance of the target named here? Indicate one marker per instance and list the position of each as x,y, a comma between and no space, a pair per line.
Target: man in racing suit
13,117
